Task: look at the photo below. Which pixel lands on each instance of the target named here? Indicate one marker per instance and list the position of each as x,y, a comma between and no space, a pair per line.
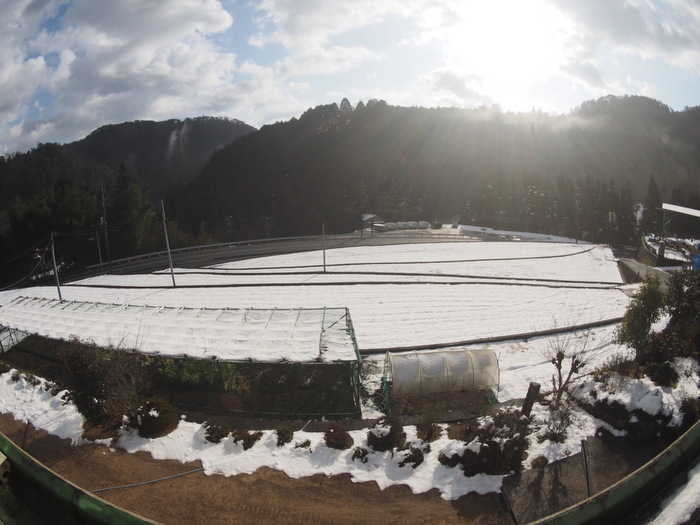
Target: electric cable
41,260
147,482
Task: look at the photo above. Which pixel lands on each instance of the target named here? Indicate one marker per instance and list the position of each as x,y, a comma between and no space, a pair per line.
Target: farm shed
294,362
422,373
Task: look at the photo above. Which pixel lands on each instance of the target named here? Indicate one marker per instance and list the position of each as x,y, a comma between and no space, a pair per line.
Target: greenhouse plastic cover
296,335
442,370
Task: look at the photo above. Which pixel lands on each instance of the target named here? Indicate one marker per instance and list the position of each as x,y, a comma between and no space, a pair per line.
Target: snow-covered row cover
230,334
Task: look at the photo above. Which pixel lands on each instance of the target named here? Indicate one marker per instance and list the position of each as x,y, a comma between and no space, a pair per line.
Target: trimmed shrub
245,437
337,437
638,424
642,426
612,412
360,453
303,444
498,448
32,379
663,374
284,435
215,430
387,434
414,457
4,367
53,387
154,418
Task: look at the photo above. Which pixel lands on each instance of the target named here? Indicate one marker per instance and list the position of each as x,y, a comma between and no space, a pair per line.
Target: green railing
633,491
70,503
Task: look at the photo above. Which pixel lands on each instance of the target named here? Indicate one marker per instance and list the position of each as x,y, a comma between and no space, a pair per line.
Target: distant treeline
581,175
578,175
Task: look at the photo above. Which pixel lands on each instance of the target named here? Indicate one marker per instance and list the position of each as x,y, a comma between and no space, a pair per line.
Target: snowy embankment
397,296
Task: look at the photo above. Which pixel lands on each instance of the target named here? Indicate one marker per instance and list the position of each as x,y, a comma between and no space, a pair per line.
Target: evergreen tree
345,106
652,218
626,220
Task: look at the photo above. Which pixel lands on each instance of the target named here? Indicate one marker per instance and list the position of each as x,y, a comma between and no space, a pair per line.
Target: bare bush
570,353
105,384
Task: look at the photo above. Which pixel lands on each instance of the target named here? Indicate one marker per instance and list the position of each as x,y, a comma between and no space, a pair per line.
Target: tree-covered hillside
160,154
578,174
99,193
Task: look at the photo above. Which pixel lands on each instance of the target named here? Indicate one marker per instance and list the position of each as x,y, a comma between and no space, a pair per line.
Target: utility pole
323,234
104,223
55,269
167,243
99,251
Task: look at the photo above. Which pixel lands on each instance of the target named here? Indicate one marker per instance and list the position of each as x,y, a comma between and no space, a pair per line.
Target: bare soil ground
264,497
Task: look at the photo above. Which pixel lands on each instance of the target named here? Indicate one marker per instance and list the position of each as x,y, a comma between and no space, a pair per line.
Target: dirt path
264,497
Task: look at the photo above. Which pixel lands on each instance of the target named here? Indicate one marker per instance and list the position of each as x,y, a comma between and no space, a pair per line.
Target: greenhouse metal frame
300,362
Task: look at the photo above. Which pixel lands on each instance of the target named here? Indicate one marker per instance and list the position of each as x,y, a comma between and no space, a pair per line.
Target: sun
506,43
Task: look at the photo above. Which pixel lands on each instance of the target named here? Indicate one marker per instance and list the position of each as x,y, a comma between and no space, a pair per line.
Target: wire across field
404,296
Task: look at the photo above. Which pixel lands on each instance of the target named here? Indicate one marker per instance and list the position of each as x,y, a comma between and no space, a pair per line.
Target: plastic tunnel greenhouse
420,373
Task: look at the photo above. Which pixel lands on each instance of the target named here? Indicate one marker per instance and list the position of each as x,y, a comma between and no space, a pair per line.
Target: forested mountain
578,174
160,154
108,181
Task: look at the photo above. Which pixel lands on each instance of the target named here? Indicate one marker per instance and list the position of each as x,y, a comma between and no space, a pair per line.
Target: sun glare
507,42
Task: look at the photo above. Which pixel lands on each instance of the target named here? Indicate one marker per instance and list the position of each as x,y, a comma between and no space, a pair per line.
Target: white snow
679,507
228,334
35,404
455,296
446,292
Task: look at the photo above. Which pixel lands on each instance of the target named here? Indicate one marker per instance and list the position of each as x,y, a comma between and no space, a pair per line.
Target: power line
30,249
41,260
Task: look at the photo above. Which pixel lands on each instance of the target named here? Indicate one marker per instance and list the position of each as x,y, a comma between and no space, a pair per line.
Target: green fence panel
627,495
71,502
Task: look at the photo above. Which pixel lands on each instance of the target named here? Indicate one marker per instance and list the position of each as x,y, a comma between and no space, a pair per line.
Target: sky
69,67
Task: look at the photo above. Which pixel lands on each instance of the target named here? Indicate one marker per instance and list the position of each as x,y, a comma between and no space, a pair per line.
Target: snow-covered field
402,295
445,293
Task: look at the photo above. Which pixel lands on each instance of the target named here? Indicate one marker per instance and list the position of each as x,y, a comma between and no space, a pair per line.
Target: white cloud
457,90
116,61
311,23
668,30
18,67
67,68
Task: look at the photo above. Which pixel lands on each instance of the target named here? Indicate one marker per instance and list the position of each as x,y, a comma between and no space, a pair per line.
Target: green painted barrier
71,502
631,492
